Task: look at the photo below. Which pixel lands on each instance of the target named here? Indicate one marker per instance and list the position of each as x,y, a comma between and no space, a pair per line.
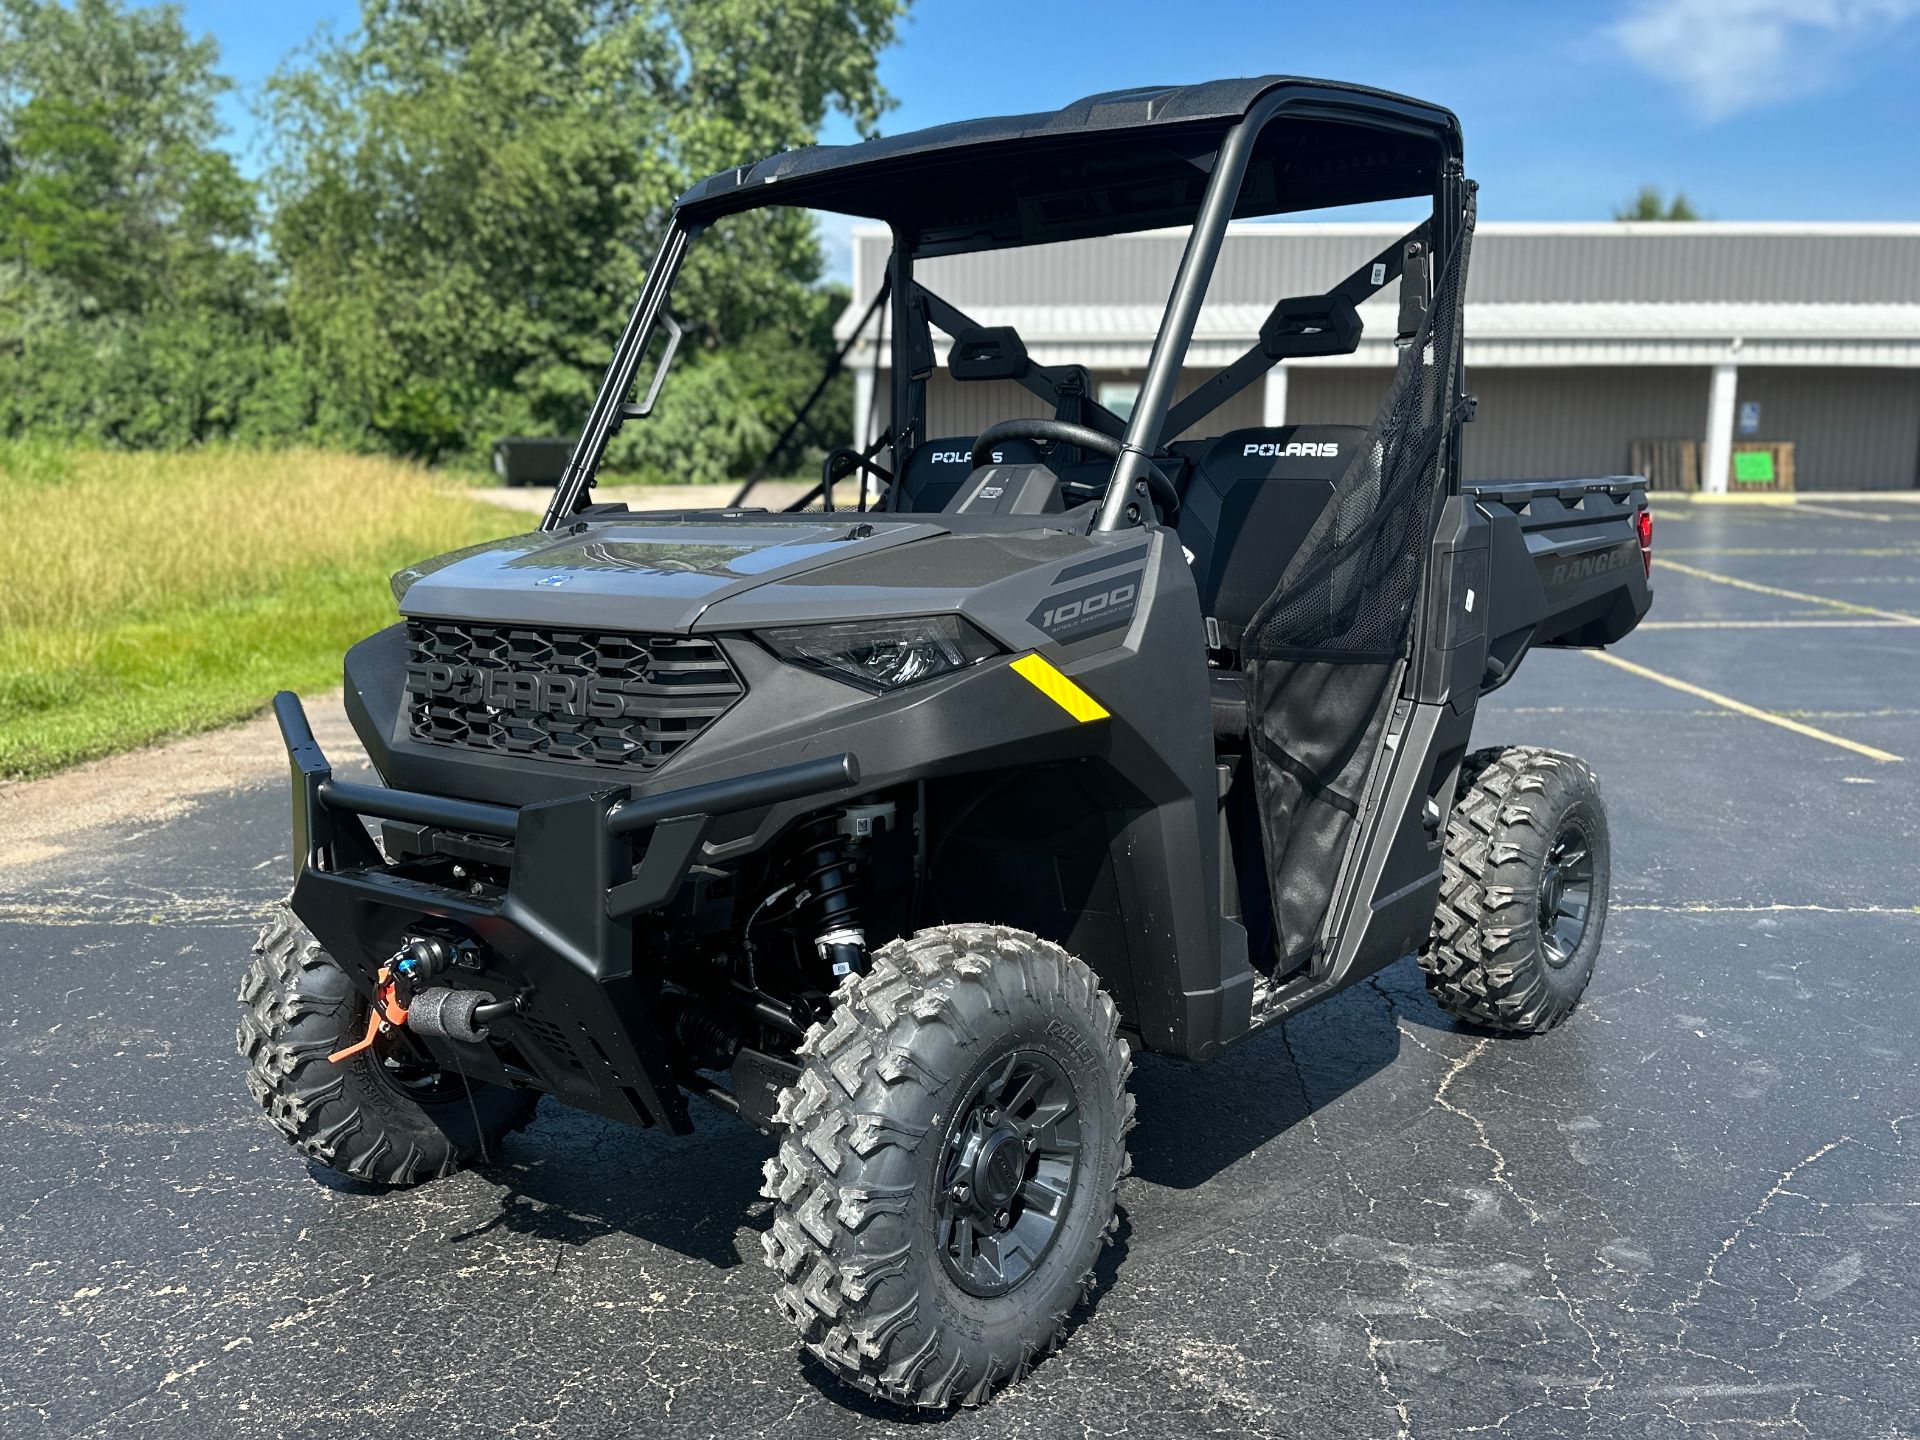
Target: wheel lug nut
1033,1142
960,1193
1003,1219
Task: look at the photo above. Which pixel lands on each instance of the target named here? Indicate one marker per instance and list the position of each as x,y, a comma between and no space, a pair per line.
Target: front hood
649,575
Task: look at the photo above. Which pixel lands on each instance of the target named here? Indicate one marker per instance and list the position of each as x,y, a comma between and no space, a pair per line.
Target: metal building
1582,339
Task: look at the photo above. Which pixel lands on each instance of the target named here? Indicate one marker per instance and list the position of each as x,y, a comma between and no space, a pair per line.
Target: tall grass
145,595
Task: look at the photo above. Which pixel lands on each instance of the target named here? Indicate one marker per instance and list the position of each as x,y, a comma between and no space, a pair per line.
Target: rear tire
373,1117
969,1053
1524,898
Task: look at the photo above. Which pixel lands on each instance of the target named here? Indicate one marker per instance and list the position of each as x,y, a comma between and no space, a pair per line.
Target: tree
1650,204
133,306
111,183
465,192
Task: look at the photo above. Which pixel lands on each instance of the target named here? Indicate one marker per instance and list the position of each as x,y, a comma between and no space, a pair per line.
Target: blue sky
1758,109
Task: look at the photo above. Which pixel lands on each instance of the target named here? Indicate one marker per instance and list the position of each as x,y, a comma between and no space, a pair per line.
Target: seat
1252,497
936,470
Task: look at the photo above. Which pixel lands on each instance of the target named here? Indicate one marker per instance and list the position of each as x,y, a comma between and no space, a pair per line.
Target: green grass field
144,596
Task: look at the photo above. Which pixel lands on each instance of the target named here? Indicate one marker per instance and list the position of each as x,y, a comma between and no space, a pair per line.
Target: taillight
1643,526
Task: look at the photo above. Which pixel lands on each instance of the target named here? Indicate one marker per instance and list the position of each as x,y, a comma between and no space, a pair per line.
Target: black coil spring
824,871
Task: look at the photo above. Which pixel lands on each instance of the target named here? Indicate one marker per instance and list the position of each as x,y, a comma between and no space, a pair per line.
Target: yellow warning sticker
1038,672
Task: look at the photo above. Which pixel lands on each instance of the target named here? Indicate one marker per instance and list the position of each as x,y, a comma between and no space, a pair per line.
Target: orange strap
387,1010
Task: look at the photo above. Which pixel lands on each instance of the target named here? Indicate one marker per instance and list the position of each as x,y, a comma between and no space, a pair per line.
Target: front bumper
558,940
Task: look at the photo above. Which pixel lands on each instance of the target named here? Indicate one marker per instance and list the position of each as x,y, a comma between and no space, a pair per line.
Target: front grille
627,701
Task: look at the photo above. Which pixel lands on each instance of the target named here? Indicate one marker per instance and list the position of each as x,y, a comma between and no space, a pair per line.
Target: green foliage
720,410
461,188
271,567
110,186
457,208
168,378
134,309
1651,204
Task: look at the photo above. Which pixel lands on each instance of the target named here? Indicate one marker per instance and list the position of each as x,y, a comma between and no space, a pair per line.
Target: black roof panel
1124,160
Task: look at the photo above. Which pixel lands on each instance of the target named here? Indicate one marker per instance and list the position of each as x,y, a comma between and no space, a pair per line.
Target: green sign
1753,467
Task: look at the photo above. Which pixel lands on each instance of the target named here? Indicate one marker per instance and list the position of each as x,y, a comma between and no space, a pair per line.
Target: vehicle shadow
1196,1120
574,1178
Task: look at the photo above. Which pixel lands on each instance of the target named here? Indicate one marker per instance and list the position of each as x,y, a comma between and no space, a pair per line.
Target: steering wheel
1067,433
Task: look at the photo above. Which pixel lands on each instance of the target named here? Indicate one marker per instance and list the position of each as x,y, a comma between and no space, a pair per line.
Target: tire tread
1478,961
849,1104
297,1008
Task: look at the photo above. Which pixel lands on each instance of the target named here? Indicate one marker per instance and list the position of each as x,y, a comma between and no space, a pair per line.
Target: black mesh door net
1325,653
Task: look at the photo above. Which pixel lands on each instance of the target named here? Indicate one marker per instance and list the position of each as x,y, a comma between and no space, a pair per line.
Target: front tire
1524,898
949,1166
383,1116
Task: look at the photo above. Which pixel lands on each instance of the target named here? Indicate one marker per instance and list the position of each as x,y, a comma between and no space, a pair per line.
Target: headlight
882,655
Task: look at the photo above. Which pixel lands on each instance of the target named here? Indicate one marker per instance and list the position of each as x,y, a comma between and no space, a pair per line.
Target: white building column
1716,456
864,378
1273,402
862,405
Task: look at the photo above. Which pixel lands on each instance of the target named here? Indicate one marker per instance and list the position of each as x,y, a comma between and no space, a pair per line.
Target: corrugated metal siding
1532,424
1138,269
1851,429
1336,397
1624,263
966,409
1638,263
954,408
1855,427
1536,424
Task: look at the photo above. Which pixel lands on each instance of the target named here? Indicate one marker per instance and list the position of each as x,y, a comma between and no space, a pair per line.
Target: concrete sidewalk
768,495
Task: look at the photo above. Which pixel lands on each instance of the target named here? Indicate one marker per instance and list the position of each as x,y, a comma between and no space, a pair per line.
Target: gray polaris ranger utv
893,829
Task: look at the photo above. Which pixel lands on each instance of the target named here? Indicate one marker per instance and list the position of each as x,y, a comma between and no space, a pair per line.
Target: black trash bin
531,459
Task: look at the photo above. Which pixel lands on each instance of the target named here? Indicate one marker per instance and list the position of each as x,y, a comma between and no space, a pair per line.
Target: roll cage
1198,155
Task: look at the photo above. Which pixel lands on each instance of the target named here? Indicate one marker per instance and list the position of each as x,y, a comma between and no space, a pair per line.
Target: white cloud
1731,55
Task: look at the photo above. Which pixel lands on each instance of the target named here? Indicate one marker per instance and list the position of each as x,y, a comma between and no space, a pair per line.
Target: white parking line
1701,907
1870,552
1740,707
1774,625
1803,508
1898,616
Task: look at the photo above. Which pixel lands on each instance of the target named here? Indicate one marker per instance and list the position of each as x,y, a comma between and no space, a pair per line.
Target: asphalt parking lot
1692,1210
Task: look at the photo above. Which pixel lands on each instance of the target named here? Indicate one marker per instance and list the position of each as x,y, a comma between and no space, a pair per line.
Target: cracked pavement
1693,1210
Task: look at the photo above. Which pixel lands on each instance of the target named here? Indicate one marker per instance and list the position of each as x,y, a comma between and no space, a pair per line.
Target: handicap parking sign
1749,417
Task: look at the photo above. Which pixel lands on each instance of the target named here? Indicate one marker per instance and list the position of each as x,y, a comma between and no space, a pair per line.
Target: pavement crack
1752,1218
1501,1177
1374,1346
1454,1071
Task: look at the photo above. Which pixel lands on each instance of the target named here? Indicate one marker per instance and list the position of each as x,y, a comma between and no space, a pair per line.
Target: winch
404,994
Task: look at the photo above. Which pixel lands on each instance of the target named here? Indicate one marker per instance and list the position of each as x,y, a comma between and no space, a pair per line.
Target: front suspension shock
826,875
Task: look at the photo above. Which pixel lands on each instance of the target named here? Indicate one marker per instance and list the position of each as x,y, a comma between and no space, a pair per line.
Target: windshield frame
610,404
1123,499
